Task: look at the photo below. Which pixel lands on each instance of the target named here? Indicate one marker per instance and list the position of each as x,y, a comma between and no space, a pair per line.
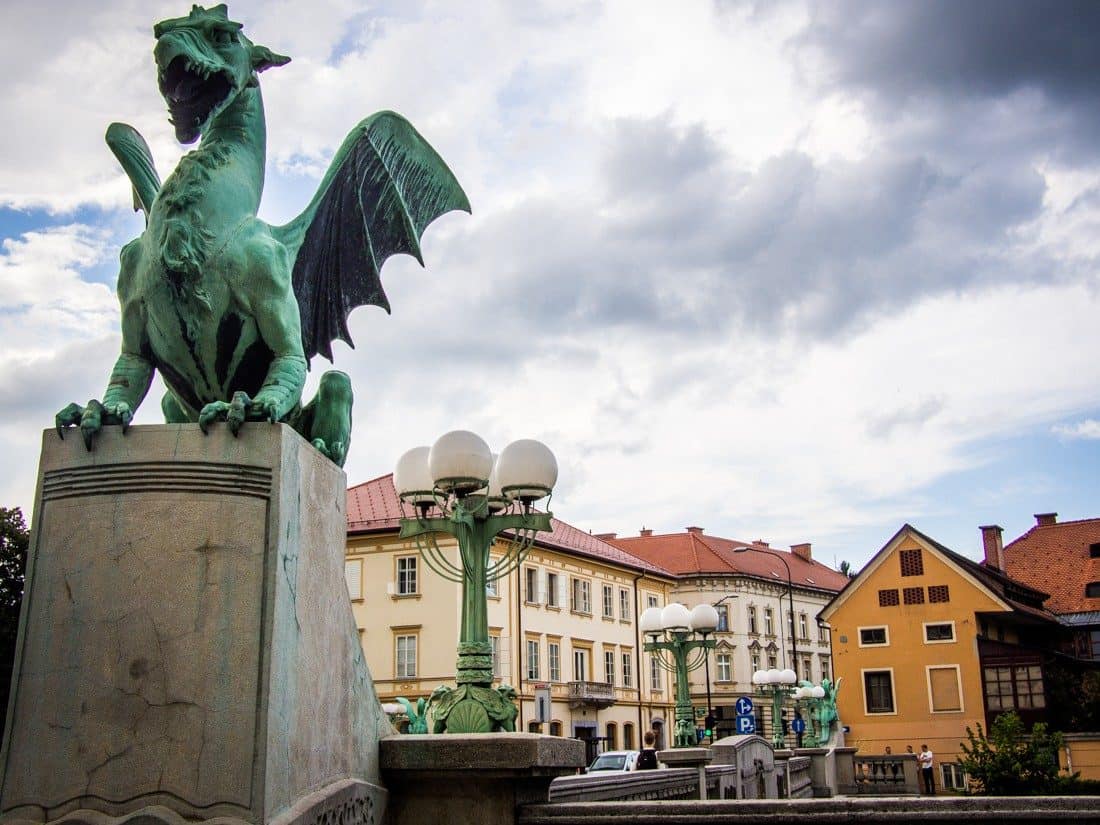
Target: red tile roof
373,507
1055,559
693,552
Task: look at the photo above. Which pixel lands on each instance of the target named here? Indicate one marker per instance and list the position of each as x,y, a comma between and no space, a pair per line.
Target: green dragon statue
228,308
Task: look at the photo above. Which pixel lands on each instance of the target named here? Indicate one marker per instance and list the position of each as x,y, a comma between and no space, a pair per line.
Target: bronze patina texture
228,308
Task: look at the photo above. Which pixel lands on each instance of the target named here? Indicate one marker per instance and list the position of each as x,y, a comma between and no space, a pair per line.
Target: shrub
1009,762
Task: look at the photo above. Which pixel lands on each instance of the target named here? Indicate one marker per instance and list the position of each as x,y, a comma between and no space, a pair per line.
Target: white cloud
1088,428
719,291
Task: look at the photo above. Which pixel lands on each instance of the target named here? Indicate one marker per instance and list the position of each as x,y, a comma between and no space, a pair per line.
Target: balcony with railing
591,694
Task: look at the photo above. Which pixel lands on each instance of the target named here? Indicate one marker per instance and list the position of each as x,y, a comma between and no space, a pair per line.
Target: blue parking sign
743,706
746,724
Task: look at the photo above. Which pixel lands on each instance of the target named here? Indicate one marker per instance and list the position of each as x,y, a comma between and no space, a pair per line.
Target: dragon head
203,63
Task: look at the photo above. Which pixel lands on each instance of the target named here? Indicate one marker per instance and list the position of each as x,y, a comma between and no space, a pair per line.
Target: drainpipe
518,646
638,657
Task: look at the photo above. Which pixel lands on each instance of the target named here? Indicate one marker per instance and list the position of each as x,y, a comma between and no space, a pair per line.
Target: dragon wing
131,150
384,186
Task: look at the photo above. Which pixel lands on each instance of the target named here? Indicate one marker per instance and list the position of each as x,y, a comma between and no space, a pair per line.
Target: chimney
696,530
759,543
606,536
802,551
1045,519
645,532
991,541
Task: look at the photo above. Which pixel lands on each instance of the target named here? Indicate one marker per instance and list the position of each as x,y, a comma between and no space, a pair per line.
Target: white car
614,761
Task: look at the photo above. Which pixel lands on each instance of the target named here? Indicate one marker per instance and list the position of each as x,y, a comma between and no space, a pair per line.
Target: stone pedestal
187,646
697,758
472,778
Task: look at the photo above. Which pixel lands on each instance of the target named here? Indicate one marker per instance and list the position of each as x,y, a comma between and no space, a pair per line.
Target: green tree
1009,762
14,541
846,569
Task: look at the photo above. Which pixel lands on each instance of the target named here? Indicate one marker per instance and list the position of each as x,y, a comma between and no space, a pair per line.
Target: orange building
928,642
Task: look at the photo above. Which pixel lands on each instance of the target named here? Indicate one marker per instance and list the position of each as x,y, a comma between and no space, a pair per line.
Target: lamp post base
474,709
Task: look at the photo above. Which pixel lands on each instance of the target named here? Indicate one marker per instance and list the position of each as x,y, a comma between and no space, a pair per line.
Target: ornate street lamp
776,684
456,487
685,647
811,694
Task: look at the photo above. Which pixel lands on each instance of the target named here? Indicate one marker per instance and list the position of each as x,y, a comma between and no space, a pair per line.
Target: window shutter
945,689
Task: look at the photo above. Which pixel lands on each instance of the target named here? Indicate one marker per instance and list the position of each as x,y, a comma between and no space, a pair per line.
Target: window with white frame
878,691
609,666
654,674
723,618
822,633
651,601
953,777
353,575
752,621
532,659
491,585
755,657
769,623
807,670
552,599
554,657
406,657
803,627
773,662
531,585
725,667
580,665
874,636
582,596
406,575
608,601
498,667
825,668
628,668
624,604
939,632
790,623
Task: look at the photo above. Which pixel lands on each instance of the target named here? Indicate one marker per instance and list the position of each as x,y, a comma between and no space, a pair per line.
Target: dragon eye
222,37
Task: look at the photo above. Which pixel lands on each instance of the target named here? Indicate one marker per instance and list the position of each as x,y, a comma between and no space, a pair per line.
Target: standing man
925,761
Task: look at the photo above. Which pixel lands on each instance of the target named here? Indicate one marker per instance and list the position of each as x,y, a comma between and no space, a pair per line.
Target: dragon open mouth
193,92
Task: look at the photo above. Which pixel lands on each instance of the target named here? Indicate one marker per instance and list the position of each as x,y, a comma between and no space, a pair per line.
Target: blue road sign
743,706
798,725
746,724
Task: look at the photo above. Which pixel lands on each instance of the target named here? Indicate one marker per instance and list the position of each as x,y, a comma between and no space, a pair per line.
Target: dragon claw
238,410
67,418
214,411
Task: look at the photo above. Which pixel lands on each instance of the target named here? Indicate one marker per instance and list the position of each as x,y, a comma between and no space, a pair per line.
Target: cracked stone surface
188,642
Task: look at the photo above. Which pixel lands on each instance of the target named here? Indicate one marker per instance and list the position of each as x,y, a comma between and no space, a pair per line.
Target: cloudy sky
795,271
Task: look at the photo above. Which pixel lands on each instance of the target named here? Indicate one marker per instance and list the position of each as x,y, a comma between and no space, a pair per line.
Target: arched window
612,736
628,736
555,728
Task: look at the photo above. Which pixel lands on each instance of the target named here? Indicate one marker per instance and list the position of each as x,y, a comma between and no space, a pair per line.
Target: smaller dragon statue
227,308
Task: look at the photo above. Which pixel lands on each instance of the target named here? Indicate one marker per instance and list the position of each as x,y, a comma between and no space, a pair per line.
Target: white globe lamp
704,618
527,470
460,462
411,477
675,617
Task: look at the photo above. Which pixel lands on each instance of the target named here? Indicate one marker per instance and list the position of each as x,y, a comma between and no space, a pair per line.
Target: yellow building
563,626
928,642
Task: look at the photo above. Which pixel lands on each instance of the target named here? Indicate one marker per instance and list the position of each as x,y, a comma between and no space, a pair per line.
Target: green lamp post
777,684
456,488
812,695
683,649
